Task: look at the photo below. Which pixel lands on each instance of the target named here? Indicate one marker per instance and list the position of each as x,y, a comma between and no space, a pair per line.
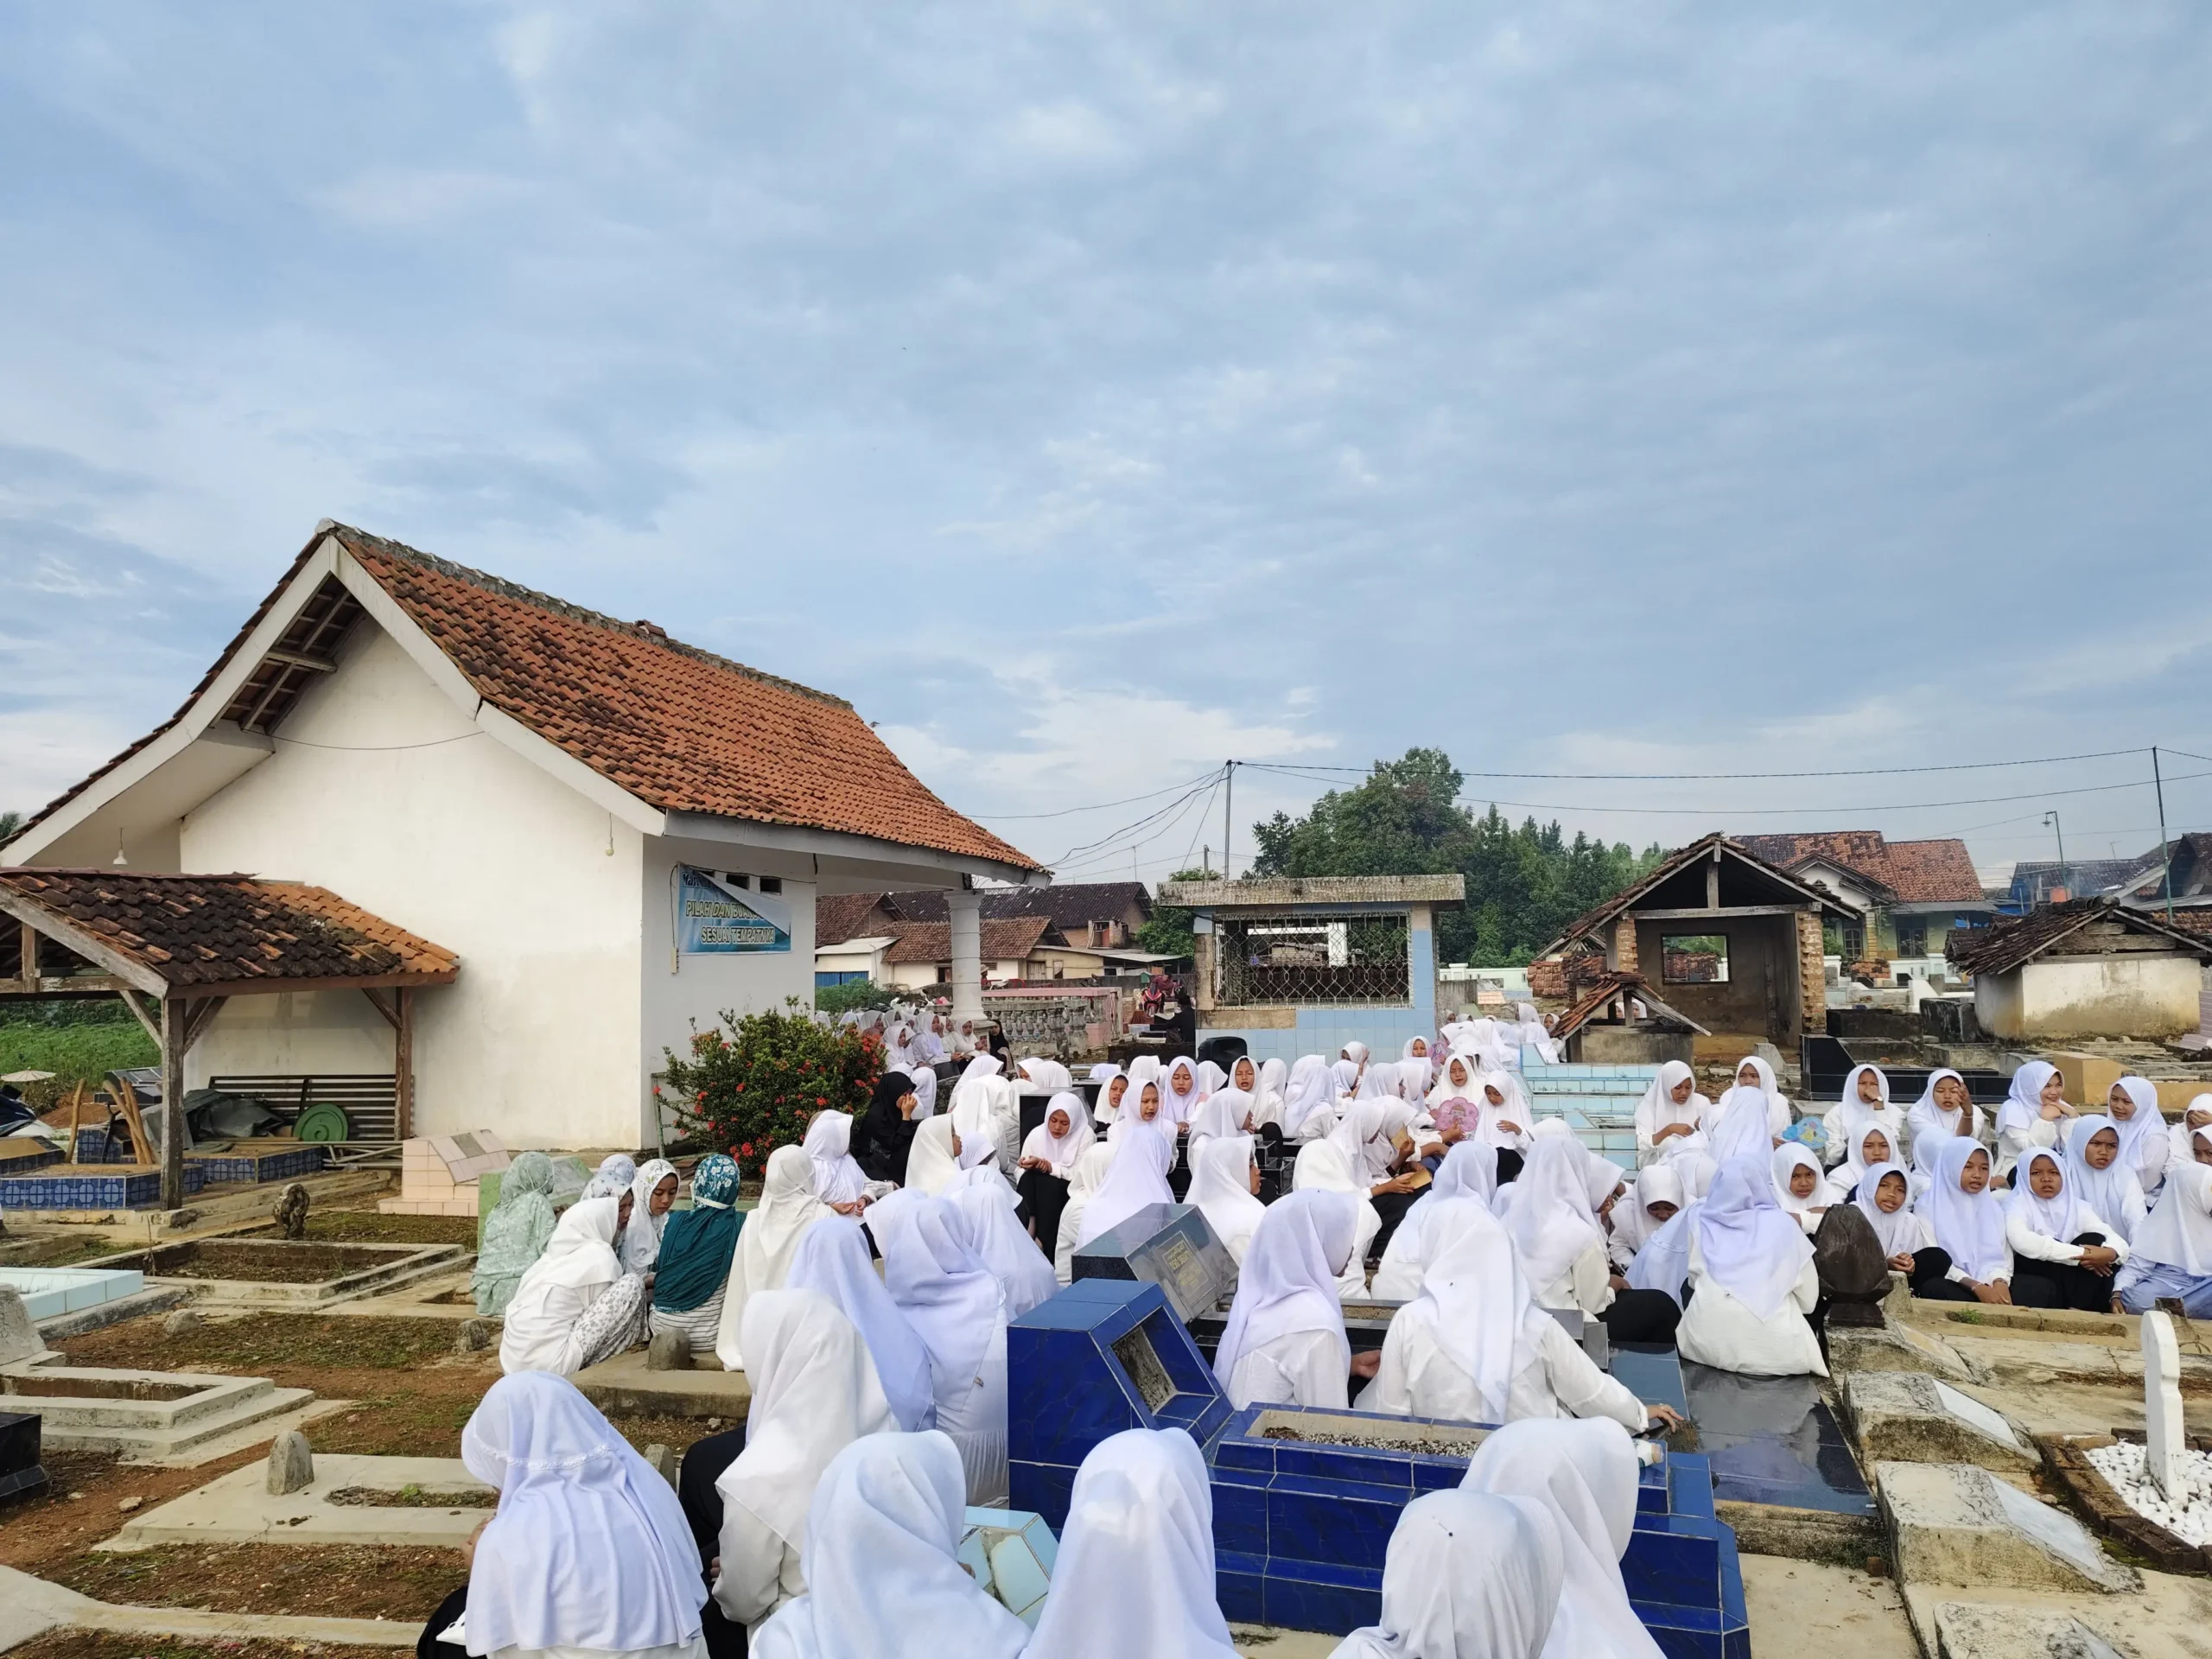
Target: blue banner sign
720,920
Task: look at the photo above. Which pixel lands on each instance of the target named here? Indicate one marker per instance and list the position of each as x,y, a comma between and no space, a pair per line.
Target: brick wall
1624,944
1812,974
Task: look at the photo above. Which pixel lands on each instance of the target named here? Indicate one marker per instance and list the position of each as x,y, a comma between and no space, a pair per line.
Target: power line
1716,776
1112,853
1089,849
1068,811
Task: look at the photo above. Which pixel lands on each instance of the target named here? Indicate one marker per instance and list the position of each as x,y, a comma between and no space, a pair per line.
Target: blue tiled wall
219,1167
99,1146
1326,1030
85,1190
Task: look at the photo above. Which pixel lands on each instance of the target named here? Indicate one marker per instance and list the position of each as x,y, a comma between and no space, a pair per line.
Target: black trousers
1044,1195
1392,1207
702,1467
1509,1164
1641,1316
2058,1284
427,1645
1928,1284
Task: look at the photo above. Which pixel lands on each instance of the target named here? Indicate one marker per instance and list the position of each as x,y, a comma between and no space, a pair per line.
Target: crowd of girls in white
879,1407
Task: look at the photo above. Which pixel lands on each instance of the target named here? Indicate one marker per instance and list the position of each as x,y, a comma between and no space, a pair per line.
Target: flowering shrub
753,1082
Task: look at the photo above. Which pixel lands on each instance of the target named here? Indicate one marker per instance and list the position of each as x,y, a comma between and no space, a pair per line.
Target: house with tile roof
618,834
1912,893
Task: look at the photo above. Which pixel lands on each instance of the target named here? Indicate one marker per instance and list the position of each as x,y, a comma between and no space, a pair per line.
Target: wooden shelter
175,948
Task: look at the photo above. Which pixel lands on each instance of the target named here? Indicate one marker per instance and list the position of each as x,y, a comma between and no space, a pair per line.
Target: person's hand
1618,1282
2097,1258
1365,1365
1433,1150
2000,1296
1453,1136
1670,1132
851,1209
468,1548
1902,1263
1667,1414
1508,1124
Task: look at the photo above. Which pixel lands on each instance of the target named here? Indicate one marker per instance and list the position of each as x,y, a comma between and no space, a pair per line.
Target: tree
1524,882
755,1084
10,823
1169,932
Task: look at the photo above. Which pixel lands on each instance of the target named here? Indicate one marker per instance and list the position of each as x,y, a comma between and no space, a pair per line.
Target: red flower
822,1100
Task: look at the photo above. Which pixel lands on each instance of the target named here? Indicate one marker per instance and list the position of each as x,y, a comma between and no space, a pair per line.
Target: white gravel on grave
2125,1464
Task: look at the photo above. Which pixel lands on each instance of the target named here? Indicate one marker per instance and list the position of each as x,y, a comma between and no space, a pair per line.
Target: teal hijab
696,1244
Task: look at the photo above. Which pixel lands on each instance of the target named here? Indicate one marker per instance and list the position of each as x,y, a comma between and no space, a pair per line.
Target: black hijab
883,1136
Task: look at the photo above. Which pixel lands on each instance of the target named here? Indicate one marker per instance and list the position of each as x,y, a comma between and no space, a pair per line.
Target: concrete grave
219,1272
1953,1523
1966,1630
2164,1438
50,1291
1895,1347
19,1338
1906,1417
338,1505
290,1467
173,1417
625,1385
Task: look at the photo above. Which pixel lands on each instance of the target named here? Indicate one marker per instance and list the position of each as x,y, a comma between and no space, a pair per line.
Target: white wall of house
414,815
679,991
2128,995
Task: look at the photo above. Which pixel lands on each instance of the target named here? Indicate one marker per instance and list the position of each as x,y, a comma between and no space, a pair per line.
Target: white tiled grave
437,1174
48,1293
238,1508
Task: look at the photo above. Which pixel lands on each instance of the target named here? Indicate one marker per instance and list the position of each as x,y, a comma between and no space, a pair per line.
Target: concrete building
1303,966
615,835
1735,942
1913,894
2089,968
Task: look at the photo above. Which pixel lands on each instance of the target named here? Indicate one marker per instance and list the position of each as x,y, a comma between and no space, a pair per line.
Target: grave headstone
663,1459
21,1472
291,1465
1965,1629
19,1338
2163,1440
1170,1245
472,1336
177,1324
669,1351
291,1211
1952,1524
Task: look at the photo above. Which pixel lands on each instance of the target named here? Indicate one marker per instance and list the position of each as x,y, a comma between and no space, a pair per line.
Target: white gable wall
418,816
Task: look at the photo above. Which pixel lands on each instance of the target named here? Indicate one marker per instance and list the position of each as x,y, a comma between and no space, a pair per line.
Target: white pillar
965,910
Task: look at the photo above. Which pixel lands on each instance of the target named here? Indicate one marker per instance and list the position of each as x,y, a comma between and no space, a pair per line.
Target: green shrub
854,994
73,1054
755,1082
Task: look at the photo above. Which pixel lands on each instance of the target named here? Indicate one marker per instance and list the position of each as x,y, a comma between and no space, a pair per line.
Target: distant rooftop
1319,891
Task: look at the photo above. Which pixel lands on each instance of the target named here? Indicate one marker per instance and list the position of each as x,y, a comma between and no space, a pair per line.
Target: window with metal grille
1313,959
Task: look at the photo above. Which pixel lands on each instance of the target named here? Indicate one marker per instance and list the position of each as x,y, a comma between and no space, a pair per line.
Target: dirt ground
305,1263
367,1227
406,1585
1799,1607
102,1644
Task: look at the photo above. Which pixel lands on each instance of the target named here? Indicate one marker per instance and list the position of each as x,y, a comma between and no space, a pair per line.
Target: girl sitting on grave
1945,1110
1284,1342
2035,1105
1474,1346
575,1306
1871,1144
2096,1175
696,1248
940,1281
1309,1100
1144,1151
1752,1281
1082,1186
2063,1254
589,1551
1885,1197
1585,1476
2132,1105
766,1244
1136,1570
1865,1105
1555,1230
514,1233
833,1260
1799,1187
1466,1576
1670,1118
1754,1074
883,1577
814,1392
1112,1085
1968,1222
883,1140
1224,1185
1469,1171
2198,1115
1230,1109
1507,1121
1321,1168
1657,1197
1048,1161
2172,1257
1024,1272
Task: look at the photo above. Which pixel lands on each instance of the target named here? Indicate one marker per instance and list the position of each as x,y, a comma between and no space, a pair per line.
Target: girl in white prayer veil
652,1195
1082,1186
589,1550
814,1392
1793,1168
767,1244
1742,1125
1321,1168
1671,1116
1230,1109
1309,1103
833,1259
1142,1157
839,1181
1585,1474
1657,1197
1179,1093
1865,1105
1944,1110
1284,1342
2144,1146
976,1111
1268,1097
1025,1276
1466,1576
1473,1346
1751,1275
1221,1185
574,1306
1555,1231
941,1284
883,1577
1469,1171
1135,1573
931,1162
2173,1248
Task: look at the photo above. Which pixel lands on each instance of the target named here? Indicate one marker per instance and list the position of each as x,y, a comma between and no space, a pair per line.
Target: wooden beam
1712,881
27,970
145,1016
390,1016
175,1015
275,984
64,985
294,659
1716,913
87,944
202,1016
402,1063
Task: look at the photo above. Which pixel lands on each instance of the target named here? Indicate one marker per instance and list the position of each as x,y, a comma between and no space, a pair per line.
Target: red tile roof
1916,872
1011,940
201,931
680,728
842,916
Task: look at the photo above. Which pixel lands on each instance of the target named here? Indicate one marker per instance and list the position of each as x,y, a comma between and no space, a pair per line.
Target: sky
1092,395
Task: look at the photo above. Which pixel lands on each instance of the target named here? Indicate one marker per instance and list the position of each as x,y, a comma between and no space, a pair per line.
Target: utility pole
2165,853
2052,819
1229,799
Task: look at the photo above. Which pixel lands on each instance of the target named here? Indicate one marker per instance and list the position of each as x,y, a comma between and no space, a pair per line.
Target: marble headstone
2164,1440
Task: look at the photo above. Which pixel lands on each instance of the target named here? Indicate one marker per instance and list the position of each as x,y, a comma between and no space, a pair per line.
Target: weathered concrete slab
1909,1417
1895,1348
31,1604
1952,1523
626,1385
2169,1619
176,1418
1965,1629
238,1508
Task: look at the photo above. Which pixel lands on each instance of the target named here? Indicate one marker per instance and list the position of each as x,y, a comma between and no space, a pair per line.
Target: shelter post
174,1014
963,908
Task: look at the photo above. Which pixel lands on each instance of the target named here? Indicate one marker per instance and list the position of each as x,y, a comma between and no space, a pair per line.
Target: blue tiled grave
1301,1526
1170,1245
78,1188
1104,1355
1773,1439
280,1161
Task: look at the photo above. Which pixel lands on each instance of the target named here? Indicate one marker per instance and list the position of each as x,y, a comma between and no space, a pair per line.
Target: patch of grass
74,1054
328,1581
267,1339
